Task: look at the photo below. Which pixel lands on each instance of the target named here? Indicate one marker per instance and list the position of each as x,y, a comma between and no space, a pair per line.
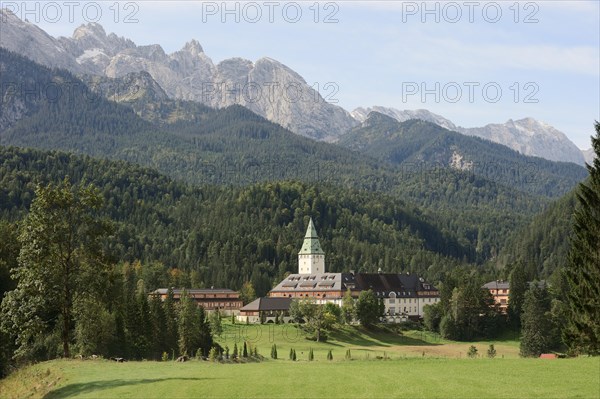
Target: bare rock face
266,87
361,115
528,136
28,40
589,155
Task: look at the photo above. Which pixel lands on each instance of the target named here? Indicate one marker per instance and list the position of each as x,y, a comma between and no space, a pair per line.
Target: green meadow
384,364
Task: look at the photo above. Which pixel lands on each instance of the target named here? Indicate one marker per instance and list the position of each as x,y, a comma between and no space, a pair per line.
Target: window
392,300
392,311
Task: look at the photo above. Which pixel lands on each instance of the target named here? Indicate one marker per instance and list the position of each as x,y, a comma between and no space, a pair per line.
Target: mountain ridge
266,86
527,135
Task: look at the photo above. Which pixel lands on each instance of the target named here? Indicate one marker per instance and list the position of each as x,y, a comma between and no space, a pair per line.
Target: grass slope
428,377
363,344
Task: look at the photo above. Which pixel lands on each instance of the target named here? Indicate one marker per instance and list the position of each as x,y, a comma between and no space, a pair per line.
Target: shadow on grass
73,390
377,337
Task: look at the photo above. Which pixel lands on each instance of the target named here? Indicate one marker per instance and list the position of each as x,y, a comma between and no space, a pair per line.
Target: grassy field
443,371
410,377
364,344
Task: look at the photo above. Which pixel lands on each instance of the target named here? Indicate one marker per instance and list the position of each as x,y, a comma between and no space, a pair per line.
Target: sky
473,62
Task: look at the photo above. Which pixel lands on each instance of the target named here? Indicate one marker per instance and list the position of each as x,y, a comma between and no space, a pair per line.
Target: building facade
225,300
266,310
499,290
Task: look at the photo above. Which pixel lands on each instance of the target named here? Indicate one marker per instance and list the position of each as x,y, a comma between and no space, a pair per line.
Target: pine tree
61,256
537,329
329,355
189,325
245,351
274,351
518,287
171,333
291,354
235,350
582,272
294,355
311,355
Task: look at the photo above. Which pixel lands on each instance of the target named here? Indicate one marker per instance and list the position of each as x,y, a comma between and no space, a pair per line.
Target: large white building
403,294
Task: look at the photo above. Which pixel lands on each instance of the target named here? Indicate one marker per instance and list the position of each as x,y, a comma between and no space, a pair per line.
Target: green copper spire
311,243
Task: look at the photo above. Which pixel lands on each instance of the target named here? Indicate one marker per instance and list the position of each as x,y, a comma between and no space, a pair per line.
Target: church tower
311,258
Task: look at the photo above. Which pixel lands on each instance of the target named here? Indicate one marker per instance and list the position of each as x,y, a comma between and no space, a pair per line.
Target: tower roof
311,243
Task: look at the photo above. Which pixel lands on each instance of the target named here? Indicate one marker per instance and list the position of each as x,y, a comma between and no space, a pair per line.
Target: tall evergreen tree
61,256
518,287
537,332
171,332
188,325
158,322
582,272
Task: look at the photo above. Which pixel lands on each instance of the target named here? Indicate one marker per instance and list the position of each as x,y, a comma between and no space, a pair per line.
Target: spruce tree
582,273
245,351
537,329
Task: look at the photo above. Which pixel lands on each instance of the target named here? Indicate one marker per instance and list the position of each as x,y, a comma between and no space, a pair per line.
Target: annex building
225,300
403,294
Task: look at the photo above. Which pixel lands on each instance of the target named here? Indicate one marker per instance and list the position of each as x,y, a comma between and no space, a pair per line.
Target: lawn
384,364
409,377
362,343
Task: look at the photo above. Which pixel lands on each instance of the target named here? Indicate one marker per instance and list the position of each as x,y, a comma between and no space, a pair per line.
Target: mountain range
266,87
527,136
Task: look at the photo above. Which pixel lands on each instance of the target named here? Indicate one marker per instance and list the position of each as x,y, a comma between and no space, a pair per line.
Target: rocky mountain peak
91,29
193,47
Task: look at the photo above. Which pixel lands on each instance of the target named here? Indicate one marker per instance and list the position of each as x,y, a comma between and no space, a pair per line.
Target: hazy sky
474,62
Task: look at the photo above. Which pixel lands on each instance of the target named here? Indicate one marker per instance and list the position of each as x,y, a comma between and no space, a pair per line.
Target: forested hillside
233,146
545,241
225,236
420,144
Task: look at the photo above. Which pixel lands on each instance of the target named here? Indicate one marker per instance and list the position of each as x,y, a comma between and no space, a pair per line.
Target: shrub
274,351
491,352
329,355
472,352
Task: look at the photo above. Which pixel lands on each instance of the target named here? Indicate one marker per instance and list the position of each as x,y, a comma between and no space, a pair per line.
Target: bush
491,352
165,356
274,351
329,355
472,352
348,355
311,355
213,355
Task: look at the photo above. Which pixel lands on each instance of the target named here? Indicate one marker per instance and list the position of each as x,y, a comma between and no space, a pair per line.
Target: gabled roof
311,243
267,304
